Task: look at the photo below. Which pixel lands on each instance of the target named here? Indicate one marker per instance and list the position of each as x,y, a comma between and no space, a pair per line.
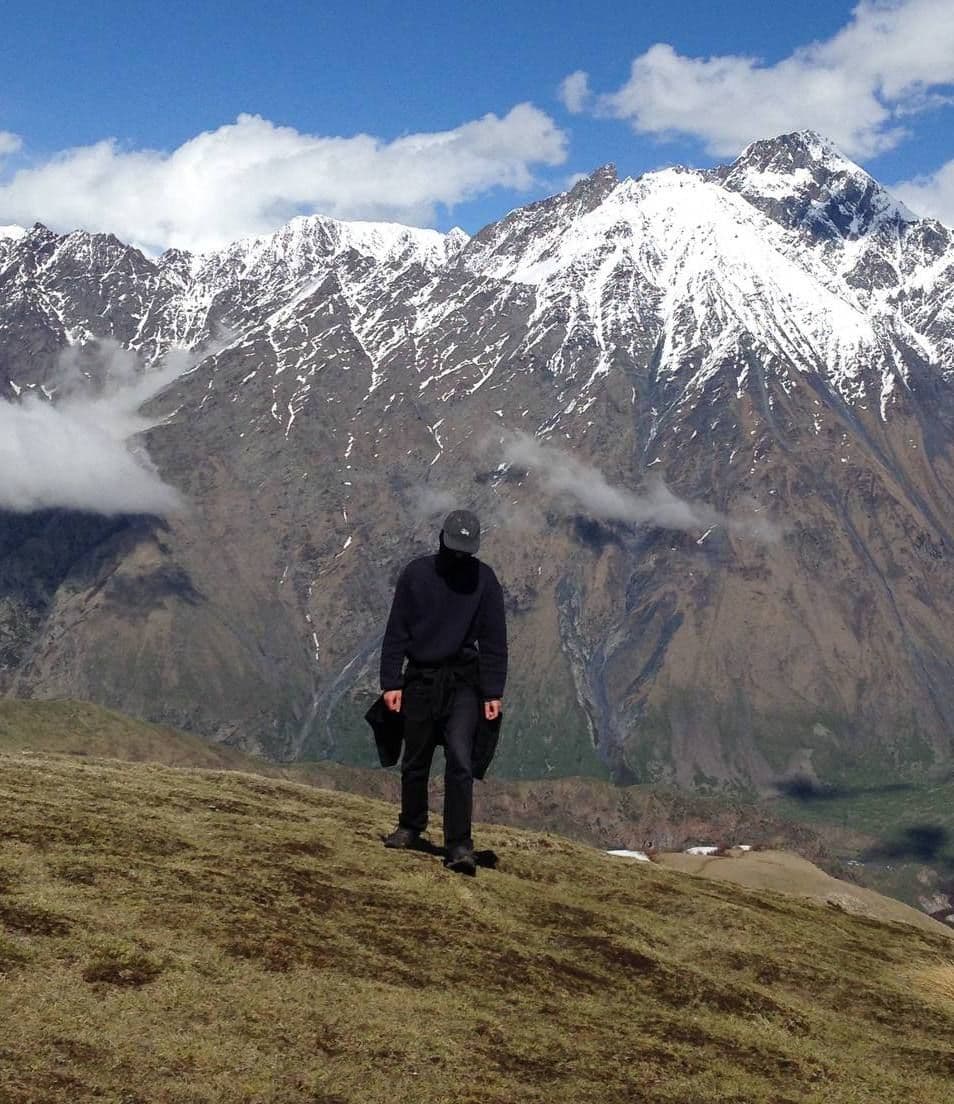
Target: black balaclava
459,569
451,555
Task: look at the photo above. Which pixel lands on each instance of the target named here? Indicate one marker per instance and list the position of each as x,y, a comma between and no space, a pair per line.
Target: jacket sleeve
396,636
492,640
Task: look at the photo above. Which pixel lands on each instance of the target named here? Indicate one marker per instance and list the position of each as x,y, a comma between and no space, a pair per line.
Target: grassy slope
905,832
583,808
173,935
586,809
883,813
787,873
80,728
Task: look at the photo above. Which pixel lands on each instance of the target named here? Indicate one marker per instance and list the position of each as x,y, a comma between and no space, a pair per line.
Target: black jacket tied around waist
441,680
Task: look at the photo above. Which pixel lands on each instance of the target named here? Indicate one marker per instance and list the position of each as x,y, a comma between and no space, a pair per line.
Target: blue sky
153,77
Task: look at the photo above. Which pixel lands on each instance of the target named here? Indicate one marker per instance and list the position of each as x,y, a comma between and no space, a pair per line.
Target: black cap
462,531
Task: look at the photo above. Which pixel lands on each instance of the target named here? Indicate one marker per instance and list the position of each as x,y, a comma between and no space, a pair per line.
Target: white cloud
894,58
9,143
930,195
428,502
79,452
581,488
252,175
575,92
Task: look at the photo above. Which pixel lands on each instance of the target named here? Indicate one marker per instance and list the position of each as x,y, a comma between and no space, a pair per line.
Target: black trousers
435,712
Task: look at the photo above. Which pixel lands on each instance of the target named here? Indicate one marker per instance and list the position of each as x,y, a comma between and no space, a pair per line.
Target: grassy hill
186,935
902,833
81,728
786,872
587,809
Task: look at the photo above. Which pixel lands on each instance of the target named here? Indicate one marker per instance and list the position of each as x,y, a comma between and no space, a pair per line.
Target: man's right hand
392,699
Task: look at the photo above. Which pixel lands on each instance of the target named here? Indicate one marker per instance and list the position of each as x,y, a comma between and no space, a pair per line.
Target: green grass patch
907,828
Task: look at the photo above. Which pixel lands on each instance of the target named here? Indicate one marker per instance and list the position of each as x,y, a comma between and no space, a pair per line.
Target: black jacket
388,727
444,606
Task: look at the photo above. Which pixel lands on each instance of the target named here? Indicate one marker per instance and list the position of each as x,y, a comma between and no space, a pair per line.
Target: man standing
448,620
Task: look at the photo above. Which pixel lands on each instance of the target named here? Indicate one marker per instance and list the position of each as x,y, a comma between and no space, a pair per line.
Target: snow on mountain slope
713,267
806,256
898,268
804,181
307,244
237,285
792,247
792,250
181,299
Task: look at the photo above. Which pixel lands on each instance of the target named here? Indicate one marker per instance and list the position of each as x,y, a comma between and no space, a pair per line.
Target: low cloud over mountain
74,445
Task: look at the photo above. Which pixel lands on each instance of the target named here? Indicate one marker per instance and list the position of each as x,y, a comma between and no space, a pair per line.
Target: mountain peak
605,174
803,181
308,243
597,185
456,238
800,149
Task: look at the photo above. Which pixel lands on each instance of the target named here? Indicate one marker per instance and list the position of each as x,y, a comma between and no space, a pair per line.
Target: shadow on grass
808,790
487,859
930,844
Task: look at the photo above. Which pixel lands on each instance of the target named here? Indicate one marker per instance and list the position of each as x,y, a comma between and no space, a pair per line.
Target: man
448,620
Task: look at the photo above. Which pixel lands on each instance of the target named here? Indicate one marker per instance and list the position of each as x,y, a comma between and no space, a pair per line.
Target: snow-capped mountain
774,337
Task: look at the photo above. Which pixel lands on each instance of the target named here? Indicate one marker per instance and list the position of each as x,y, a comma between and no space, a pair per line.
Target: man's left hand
492,709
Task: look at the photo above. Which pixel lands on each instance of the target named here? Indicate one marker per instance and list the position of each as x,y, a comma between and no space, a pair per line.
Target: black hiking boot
461,860
402,838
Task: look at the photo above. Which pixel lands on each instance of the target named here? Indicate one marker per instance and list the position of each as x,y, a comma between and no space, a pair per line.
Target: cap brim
462,544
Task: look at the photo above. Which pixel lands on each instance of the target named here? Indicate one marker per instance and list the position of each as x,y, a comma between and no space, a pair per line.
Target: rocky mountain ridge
774,338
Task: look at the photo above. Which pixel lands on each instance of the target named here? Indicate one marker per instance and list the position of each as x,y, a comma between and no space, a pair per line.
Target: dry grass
81,728
186,936
938,979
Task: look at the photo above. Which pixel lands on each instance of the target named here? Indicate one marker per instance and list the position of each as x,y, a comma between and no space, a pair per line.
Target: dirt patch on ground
30,920
126,971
